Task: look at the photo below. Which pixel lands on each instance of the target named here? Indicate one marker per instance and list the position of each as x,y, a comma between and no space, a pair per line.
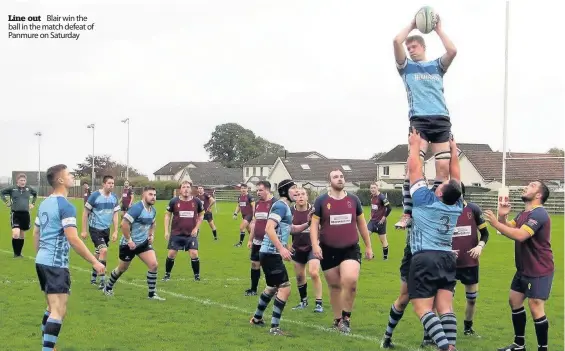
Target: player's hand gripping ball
426,19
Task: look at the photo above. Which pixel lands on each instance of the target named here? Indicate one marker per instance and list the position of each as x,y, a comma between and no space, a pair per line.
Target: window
346,168
305,166
254,169
475,184
247,171
386,170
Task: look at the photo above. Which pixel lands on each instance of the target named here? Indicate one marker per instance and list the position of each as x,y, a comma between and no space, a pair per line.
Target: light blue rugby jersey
102,209
280,212
433,222
141,220
54,215
424,88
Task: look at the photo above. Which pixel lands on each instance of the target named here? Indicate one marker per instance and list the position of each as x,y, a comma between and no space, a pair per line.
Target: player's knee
193,254
255,265
153,266
535,304
471,297
300,278
270,290
314,273
102,250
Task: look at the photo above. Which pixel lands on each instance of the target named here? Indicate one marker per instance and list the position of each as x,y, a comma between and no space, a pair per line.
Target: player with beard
127,198
337,218
187,212
245,205
380,209
138,228
302,254
100,211
531,231
272,253
262,209
208,201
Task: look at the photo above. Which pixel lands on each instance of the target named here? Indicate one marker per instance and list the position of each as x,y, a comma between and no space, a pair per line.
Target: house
261,166
391,167
314,172
208,174
484,169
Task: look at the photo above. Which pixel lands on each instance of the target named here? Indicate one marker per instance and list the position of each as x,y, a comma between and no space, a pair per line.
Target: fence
555,203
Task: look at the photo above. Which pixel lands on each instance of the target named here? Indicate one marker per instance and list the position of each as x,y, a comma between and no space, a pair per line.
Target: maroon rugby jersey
86,195
301,241
262,209
533,256
126,196
465,235
185,215
338,220
245,205
205,198
378,207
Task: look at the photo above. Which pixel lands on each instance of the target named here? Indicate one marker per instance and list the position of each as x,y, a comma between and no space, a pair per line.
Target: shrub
394,196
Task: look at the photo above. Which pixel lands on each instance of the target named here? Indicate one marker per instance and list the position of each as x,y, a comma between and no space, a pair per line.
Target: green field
213,314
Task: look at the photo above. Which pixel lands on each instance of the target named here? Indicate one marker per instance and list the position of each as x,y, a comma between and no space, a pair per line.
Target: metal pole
38,161
505,118
127,157
92,126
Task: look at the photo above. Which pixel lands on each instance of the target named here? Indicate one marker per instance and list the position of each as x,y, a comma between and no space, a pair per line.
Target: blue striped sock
45,317
51,333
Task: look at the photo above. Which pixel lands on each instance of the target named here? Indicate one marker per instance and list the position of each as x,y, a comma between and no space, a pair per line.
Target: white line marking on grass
235,308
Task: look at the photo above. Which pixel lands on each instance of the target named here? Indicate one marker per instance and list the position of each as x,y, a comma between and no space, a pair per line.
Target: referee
19,216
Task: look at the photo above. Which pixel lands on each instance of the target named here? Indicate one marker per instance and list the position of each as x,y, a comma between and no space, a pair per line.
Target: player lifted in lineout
245,205
187,212
428,111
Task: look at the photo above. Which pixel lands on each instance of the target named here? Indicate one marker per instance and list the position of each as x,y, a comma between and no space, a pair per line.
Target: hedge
394,196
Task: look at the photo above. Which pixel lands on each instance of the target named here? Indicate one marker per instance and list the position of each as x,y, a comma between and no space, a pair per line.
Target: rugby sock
151,282
195,263
519,323
94,274
15,246
264,301
169,264
255,276
103,275
542,328
114,276
303,291
319,302
449,325
385,252
278,308
433,327
45,317
406,198
468,324
241,236
393,318
19,246
215,233
52,330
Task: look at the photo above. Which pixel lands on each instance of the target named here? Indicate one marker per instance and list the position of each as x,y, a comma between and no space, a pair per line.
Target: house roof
173,168
316,170
213,176
400,152
270,159
537,166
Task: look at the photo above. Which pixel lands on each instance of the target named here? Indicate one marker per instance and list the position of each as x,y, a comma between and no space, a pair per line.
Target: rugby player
127,198
337,217
272,253
380,209
302,254
138,228
531,231
245,205
187,212
469,247
86,192
55,231
100,211
208,201
19,215
428,111
261,217
431,279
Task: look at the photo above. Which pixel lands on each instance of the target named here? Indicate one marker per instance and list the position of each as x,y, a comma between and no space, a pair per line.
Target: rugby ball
426,19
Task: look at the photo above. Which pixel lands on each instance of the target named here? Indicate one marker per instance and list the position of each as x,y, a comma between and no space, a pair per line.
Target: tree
555,151
104,165
233,145
377,155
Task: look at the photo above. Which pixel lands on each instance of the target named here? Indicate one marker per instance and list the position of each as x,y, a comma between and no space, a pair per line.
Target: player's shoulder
352,196
322,197
472,206
539,213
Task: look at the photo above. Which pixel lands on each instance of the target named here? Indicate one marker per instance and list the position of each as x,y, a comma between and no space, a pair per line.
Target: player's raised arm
399,51
414,164
454,168
450,49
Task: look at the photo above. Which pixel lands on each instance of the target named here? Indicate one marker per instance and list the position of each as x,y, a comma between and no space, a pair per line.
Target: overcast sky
307,74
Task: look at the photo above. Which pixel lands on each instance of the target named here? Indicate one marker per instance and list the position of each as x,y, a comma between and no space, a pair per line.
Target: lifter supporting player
334,232
245,205
531,231
208,201
433,266
19,215
380,209
261,216
468,248
428,112
187,212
